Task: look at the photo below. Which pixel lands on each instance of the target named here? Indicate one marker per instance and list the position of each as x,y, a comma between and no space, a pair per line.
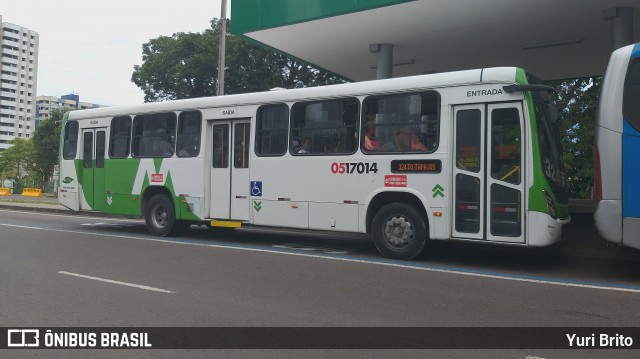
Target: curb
56,208
34,207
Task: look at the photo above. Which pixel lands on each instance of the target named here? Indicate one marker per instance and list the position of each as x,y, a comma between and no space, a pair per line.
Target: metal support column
621,25
385,59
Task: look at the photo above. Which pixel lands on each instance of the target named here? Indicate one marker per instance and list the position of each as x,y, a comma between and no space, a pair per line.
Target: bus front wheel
399,231
161,216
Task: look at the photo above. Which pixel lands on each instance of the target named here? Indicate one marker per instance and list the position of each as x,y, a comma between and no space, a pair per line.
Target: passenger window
120,137
154,135
327,127
189,127
401,123
70,144
631,97
271,130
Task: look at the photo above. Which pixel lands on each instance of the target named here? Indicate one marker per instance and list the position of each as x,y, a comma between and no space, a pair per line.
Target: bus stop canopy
554,39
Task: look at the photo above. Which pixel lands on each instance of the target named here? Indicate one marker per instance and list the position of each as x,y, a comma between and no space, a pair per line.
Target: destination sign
416,166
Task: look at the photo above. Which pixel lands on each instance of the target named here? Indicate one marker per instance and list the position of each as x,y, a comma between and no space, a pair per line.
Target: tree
577,100
46,145
15,161
185,66
176,67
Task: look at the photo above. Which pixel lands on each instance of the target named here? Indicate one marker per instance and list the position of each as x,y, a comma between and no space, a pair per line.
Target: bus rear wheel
160,217
399,231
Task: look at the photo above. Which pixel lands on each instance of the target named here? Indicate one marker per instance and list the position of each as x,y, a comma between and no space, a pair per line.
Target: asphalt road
79,271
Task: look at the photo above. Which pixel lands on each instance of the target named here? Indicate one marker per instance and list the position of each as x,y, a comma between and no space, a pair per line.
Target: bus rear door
92,173
230,170
488,177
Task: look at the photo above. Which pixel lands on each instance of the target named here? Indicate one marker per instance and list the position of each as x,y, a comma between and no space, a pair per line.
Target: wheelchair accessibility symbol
256,188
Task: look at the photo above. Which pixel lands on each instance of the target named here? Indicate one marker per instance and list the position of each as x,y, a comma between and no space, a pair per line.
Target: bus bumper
544,230
608,219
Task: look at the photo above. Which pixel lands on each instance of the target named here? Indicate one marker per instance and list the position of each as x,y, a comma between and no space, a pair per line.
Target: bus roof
505,75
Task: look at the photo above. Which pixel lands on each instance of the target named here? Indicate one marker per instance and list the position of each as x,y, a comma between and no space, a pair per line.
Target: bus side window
324,127
403,123
154,135
120,137
70,145
189,126
271,130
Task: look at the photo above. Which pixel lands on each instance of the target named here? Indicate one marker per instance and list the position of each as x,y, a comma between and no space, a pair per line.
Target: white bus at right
617,150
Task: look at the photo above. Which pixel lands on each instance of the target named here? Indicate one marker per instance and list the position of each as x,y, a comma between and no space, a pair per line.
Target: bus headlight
550,206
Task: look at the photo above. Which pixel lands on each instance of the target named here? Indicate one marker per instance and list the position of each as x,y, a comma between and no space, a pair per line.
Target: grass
26,200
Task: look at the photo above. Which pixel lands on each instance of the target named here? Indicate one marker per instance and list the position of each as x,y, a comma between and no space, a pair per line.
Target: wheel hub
399,231
160,216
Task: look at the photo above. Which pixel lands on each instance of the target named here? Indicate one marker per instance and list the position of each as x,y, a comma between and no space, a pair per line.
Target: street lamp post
221,47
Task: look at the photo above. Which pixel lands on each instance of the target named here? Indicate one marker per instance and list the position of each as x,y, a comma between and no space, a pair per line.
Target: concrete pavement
44,203
582,238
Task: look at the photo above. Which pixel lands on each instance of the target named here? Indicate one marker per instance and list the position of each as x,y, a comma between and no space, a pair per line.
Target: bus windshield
550,142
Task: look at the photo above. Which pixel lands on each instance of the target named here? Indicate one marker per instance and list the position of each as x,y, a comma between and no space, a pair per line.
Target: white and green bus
471,155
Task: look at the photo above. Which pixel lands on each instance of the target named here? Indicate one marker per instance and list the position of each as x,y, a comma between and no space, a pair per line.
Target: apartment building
44,105
18,82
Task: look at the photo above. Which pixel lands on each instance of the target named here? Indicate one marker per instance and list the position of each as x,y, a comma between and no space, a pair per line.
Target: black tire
160,217
182,228
399,231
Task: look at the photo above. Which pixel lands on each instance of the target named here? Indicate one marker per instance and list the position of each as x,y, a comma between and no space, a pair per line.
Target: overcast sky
90,47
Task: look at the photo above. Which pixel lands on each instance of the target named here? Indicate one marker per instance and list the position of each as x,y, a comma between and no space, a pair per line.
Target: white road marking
116,282
352,260
110,225
73,214
304,247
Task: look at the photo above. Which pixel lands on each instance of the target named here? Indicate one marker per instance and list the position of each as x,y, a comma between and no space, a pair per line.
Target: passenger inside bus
305,146
406,141
301,146
188,147
370,141
295,146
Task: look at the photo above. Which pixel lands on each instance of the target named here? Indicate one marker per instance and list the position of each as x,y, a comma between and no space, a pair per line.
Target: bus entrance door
230,170
92,171
488,178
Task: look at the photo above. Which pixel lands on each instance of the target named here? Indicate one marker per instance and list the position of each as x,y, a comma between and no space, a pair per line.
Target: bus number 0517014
354,167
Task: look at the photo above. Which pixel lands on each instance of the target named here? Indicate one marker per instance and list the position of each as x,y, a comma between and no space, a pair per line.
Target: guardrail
5,191
32,192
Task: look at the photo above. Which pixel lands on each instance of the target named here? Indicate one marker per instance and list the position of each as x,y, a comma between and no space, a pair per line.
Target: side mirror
554,115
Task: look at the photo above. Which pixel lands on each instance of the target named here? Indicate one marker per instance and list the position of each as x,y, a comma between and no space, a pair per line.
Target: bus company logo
395,181
23,338
67,180
157,177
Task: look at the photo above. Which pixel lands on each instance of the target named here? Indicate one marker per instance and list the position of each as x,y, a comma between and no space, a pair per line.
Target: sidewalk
39,204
